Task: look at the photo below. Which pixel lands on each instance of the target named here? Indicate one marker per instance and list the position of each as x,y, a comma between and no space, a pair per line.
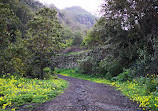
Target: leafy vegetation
124,33
28,41
43,38
16,91
122,47
27,51
142,90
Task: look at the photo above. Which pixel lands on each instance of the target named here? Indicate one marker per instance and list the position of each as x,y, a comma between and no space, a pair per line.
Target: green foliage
151,83
16,92
48,73
77,40
127,36
8,34
67,36
27,97
86,65
111,67
43,39
124,76
105,64
142,64
22,11
13,53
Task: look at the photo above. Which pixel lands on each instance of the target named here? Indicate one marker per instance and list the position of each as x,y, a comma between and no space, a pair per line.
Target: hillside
77,18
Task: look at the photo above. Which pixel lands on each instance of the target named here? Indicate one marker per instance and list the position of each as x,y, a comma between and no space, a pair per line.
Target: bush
108,76
126,75
47,72
77,40
105,65
110,67
86,65
141,81
117,67
151,83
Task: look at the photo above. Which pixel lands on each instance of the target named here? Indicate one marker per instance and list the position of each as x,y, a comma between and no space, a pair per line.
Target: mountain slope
77,18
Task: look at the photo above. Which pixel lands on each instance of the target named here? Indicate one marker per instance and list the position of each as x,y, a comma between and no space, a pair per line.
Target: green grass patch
15,92
132,89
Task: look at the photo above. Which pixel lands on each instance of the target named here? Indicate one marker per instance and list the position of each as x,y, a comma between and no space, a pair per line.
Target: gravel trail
84,95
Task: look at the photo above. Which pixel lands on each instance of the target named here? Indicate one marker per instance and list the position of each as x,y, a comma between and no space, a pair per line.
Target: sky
92,6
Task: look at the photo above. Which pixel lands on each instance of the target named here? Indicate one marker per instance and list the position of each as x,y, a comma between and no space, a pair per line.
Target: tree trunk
42,74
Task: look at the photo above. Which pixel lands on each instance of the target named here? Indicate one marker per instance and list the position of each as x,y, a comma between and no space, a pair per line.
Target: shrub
111,67
108,76
117,67
151,83
105,65
126,75
141,81
77,40
86,65
47,72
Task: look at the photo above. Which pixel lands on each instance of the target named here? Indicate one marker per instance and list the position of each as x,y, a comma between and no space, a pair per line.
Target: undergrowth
136,89
16,92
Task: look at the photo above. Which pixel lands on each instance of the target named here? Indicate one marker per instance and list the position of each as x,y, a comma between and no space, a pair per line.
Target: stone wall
68,61
71,61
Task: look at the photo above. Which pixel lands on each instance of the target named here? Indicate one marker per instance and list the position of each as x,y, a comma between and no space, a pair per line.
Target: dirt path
84,95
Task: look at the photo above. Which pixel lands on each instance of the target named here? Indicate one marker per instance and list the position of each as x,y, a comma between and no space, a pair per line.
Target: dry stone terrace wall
68,61
71,61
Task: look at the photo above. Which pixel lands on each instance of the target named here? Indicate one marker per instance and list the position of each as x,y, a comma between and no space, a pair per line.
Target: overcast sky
92,6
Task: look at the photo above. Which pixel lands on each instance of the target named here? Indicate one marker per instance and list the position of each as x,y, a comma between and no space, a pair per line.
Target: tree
77,40
8,21
140,19
43,38
141,15
126,27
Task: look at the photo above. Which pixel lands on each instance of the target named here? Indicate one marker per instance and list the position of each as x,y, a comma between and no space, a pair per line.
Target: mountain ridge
77,17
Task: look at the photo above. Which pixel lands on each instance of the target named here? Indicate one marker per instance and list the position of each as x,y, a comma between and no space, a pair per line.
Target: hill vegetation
122,46
78,18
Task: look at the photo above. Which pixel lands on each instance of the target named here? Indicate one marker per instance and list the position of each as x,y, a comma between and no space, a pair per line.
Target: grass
132,89
16,92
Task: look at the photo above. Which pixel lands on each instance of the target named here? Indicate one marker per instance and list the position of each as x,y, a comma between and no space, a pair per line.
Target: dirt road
85,95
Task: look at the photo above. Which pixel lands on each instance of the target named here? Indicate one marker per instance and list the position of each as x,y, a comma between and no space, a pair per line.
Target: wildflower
4,106
156,105
1,99
13,109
